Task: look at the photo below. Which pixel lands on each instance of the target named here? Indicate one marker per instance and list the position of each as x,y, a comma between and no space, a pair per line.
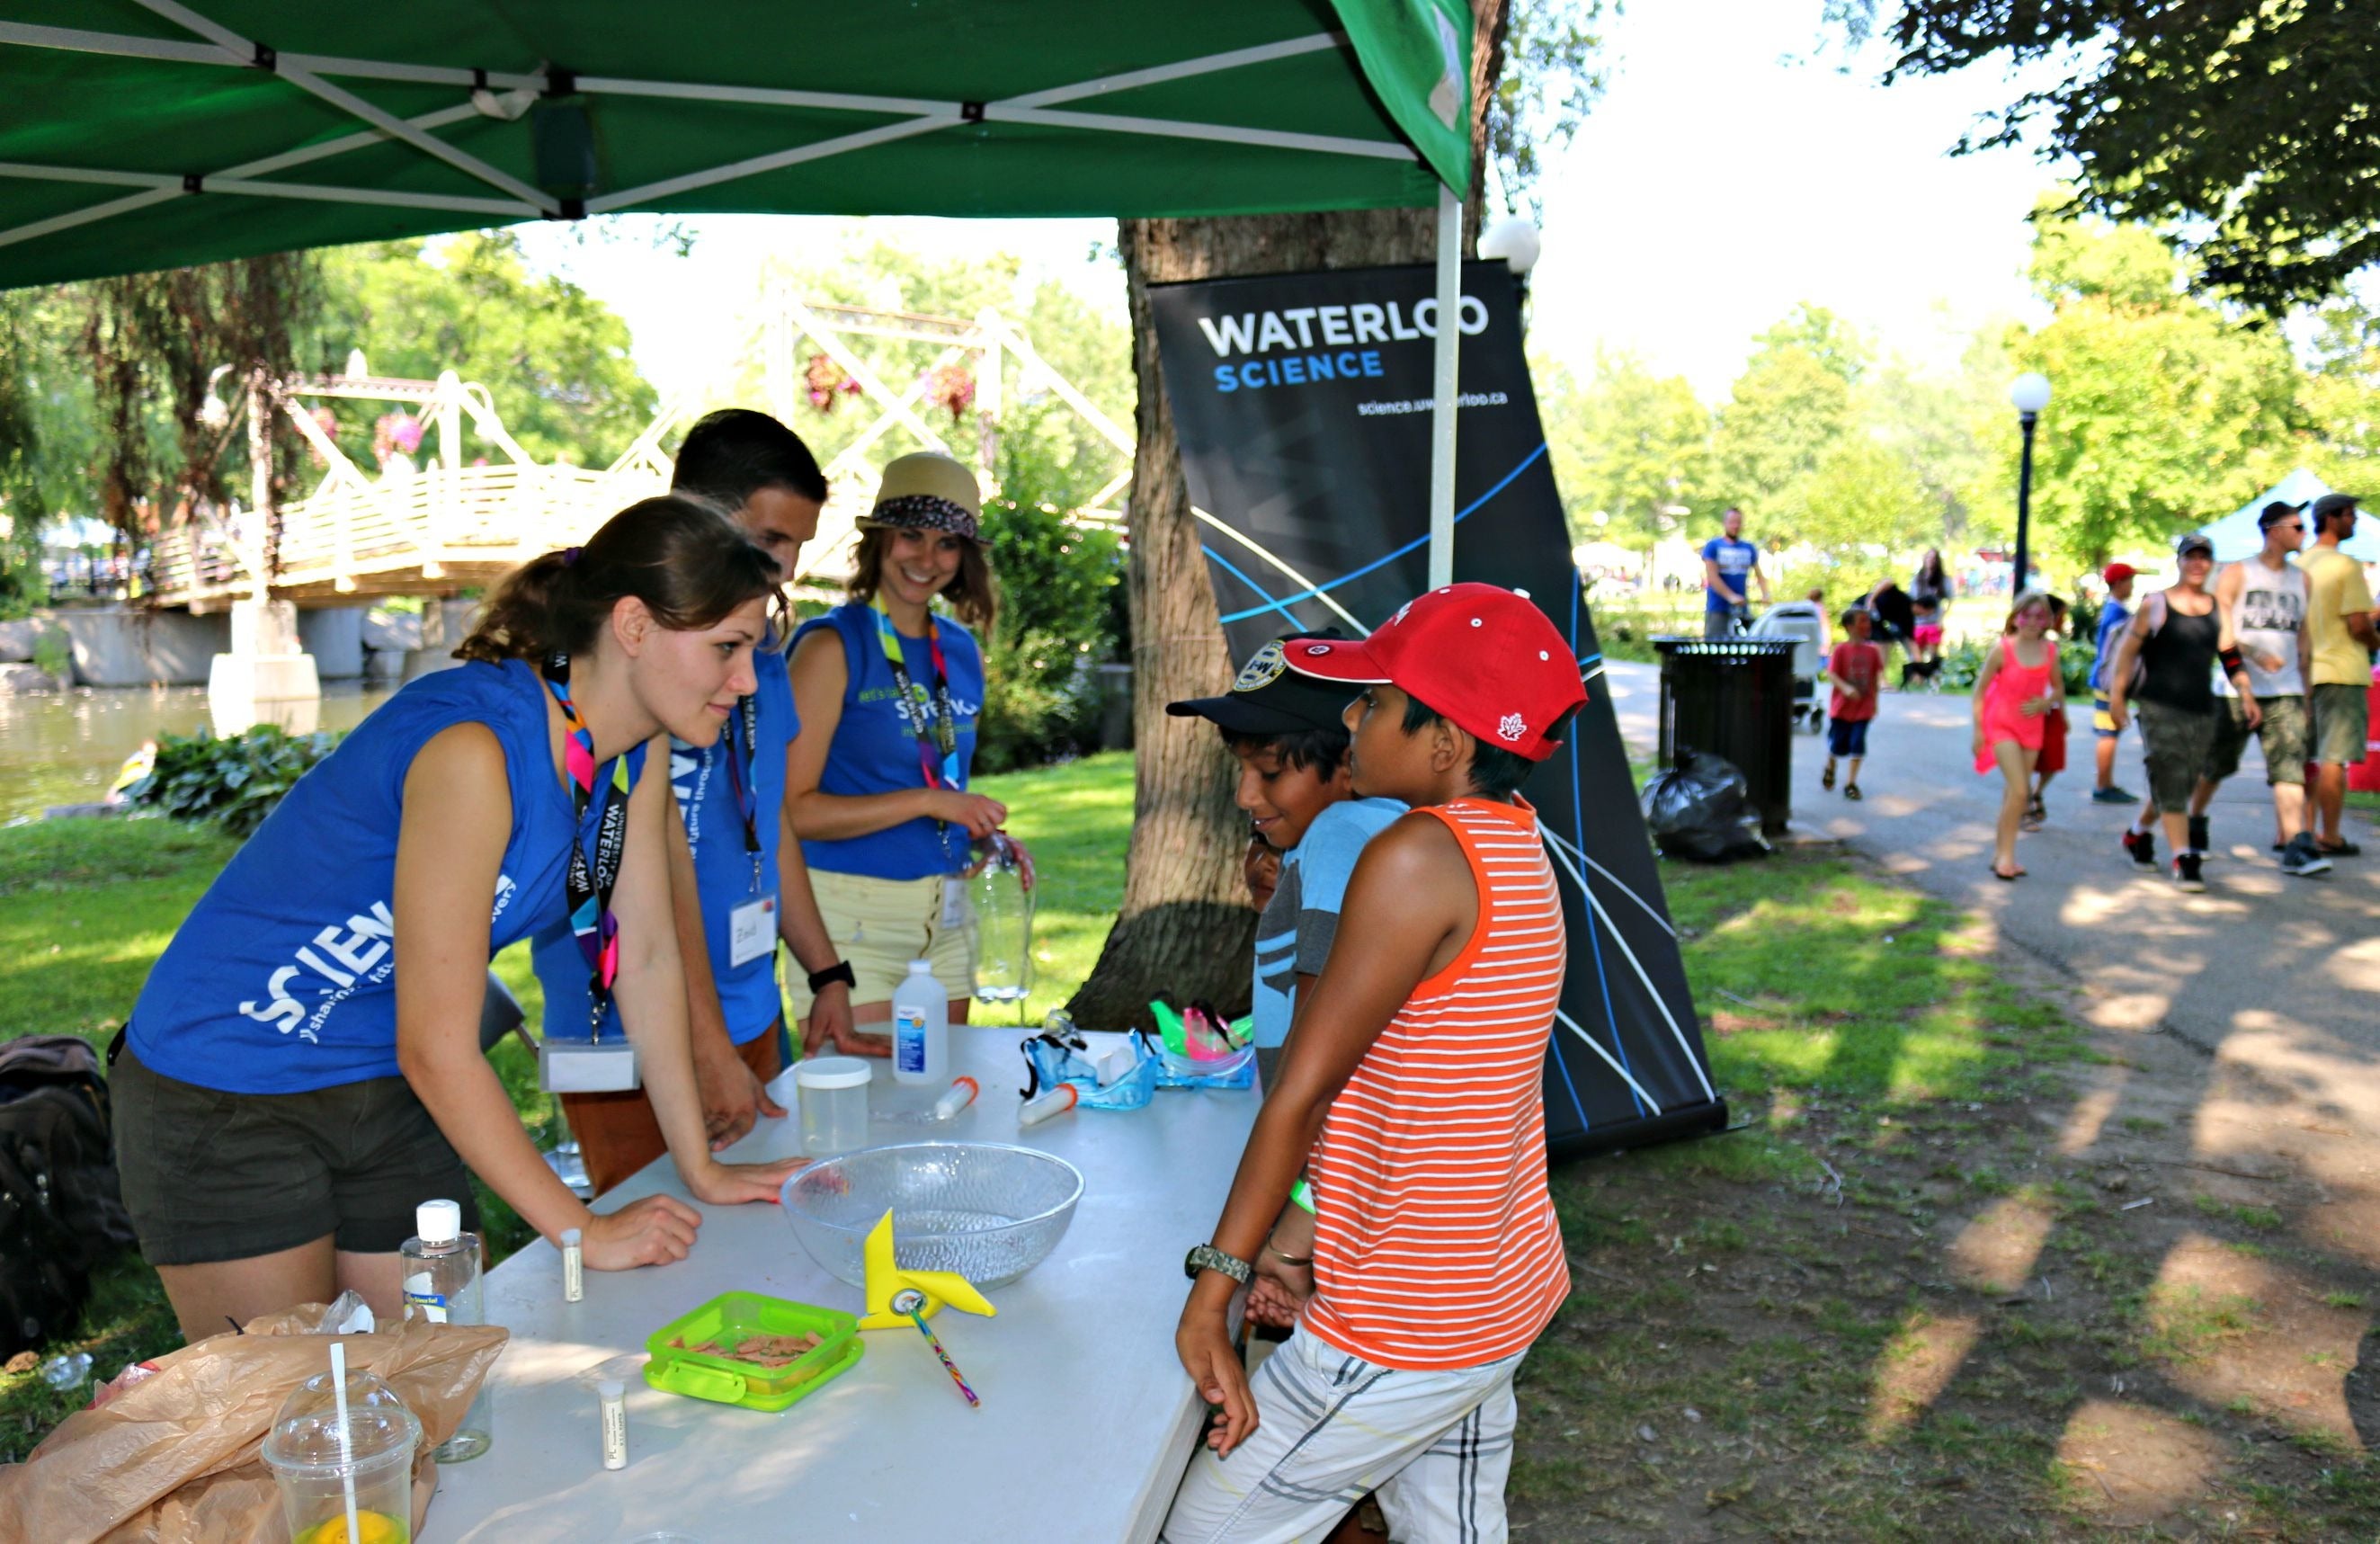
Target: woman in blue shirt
888,694
291,1085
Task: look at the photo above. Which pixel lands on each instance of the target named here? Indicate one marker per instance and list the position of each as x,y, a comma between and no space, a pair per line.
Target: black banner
1303,402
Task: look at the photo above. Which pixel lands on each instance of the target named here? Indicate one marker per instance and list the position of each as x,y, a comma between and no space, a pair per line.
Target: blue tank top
875,750
283,979
705,782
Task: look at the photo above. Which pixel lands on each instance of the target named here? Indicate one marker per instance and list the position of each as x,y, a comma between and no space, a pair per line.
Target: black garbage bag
1700,810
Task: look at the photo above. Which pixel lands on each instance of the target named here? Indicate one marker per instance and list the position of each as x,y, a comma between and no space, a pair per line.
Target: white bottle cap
612,1388
833,1072
438,1222
921,968
570,1238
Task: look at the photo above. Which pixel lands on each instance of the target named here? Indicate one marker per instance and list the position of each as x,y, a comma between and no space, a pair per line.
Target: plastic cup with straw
347,1438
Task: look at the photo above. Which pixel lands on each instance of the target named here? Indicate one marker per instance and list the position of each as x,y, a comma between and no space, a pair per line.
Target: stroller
1802,624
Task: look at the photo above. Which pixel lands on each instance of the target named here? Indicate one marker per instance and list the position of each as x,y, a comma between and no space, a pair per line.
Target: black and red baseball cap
1268,700
1484,657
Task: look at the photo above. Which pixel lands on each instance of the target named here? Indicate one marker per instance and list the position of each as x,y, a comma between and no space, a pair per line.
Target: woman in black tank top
2177,660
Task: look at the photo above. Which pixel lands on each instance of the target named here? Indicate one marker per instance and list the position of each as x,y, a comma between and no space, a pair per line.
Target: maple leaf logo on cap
1512,727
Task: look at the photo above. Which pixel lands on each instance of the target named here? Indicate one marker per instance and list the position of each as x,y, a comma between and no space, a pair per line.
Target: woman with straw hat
889,693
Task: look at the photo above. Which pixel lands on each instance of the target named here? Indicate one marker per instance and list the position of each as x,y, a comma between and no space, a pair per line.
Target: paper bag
175,1459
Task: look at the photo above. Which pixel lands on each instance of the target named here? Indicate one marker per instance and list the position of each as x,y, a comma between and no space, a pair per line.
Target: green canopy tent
151,133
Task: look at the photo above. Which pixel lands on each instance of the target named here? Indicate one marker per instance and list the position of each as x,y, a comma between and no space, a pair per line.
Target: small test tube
574,1267
1056,1101
957,1097
614,1397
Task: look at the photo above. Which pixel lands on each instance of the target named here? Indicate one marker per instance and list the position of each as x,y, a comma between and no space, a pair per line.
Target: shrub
234,781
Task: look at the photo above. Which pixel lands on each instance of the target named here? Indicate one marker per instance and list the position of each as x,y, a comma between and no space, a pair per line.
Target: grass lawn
1772,1334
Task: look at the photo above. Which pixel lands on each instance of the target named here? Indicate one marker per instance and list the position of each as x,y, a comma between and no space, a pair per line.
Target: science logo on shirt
341,960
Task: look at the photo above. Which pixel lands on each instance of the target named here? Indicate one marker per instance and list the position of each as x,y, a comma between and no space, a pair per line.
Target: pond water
68,748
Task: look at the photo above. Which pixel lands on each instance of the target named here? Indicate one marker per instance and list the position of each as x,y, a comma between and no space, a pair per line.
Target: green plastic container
733,1316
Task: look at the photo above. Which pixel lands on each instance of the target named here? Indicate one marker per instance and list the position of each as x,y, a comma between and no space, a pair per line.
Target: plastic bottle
1003,924
612,1397
442,1269
66,1373
921,1028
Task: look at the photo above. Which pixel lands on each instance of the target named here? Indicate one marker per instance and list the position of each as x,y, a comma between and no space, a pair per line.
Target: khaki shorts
2342,723
2282,733
880,926
2180,747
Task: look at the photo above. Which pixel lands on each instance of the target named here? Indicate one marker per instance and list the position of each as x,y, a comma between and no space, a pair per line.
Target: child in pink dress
2019,688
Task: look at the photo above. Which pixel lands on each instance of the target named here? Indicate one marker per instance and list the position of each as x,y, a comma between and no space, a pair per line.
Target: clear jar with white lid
834,1104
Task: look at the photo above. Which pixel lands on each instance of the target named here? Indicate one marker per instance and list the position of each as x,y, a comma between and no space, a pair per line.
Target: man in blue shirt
1730,566
2113,618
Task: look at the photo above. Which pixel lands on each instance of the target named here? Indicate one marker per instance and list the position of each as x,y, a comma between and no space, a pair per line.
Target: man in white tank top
2264,596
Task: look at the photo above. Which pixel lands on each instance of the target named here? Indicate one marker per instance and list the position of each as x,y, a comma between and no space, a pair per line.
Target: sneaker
2186,875
2199,841
2303,859
2142,848
2342,848
2114,795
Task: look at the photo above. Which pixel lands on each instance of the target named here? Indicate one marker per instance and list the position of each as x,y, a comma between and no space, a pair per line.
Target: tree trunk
1186,928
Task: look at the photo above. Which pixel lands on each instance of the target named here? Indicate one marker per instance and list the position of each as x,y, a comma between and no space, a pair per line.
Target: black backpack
60,1212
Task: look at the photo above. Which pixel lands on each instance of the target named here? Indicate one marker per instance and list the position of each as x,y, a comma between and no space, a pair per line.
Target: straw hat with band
927,491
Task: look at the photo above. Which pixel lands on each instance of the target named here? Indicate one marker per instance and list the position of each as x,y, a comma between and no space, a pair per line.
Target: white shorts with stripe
1434,1447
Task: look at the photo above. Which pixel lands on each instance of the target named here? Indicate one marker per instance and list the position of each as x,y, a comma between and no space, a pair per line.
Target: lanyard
745,776
588,886
938,732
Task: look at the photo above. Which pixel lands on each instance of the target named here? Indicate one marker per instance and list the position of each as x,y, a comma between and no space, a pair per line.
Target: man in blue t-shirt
738,878
2113,618
1730,566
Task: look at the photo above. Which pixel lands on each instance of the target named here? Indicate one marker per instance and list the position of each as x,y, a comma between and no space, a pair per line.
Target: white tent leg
1441,419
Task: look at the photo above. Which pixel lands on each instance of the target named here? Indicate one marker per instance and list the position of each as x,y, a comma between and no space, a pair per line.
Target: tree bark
1185,928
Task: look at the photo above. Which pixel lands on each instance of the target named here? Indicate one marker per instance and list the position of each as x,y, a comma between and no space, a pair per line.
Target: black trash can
1733,698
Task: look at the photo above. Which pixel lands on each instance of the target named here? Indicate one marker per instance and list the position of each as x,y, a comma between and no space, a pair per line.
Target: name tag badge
955,903
752,930
580,1068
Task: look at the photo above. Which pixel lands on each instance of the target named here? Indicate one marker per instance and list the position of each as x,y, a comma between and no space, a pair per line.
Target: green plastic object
729,1318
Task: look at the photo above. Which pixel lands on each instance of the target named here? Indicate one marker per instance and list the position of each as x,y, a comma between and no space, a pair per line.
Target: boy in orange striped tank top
1410,1093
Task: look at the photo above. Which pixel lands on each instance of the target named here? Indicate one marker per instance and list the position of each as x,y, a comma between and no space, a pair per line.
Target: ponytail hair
689,564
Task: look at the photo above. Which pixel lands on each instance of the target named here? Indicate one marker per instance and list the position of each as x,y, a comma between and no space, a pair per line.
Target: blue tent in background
2235,536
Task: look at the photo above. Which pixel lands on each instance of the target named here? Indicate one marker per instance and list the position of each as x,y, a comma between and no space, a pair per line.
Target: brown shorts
618,1134
210,1176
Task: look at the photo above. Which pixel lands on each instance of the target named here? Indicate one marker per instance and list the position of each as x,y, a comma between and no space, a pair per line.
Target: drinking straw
909,1302
347,1446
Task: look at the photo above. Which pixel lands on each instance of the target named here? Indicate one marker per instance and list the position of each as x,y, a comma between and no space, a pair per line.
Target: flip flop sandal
1851,791
2006,879
1827,779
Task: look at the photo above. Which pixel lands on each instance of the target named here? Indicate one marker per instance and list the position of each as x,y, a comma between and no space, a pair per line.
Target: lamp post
1516,243
2028,394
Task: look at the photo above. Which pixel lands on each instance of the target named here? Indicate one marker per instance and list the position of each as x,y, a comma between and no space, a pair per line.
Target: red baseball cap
2116,573
1483,657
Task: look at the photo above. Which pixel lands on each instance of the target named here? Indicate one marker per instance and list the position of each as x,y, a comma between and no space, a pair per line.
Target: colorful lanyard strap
936,733
744,774
588,886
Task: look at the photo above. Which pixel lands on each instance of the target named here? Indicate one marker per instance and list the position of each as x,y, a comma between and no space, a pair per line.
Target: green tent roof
151,133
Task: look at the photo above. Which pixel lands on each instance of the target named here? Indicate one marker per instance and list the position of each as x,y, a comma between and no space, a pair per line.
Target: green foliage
233,781
1551,78
2166,412
2200,118
1963,663
1057,578
53,653
1791,405
554,359
1627,444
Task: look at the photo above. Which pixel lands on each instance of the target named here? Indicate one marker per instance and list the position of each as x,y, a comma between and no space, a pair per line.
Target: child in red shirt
1855,668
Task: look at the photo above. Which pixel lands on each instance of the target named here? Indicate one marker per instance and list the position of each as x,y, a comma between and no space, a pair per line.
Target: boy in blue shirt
2113,617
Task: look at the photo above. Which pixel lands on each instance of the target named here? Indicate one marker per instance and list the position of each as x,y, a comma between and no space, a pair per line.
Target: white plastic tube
1056,1101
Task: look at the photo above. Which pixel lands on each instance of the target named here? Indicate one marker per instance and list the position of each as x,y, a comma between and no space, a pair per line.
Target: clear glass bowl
988,1210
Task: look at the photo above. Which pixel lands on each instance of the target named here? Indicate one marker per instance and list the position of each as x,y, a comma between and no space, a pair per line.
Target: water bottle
442,1271
921,1028
1003,925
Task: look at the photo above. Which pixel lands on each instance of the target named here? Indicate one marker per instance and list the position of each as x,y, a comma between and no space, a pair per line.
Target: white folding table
1086,1421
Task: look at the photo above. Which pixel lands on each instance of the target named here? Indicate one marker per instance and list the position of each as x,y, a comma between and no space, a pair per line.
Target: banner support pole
1441,419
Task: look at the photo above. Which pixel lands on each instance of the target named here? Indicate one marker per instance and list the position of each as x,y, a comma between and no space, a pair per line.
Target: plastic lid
438,1222
834,1072
611,1387
921,968
571,1237
305,1435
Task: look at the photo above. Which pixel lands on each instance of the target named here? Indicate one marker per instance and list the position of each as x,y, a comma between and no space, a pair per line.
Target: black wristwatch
1206,1256
839,971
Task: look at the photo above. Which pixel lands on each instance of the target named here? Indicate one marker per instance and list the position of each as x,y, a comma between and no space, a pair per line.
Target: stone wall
133,647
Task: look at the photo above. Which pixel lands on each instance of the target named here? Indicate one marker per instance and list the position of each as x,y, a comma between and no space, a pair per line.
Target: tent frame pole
1442,411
